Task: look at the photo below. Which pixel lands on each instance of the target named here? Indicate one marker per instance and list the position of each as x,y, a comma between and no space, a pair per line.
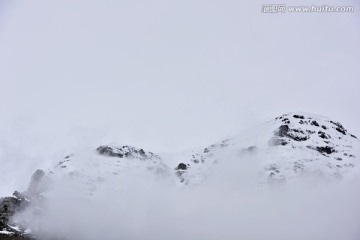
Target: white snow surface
6,232
300,169
259,150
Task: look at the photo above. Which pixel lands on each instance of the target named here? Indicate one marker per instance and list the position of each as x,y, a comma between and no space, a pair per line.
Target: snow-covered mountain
290,147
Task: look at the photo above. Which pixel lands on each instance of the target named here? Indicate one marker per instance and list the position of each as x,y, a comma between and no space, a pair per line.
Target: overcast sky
168,75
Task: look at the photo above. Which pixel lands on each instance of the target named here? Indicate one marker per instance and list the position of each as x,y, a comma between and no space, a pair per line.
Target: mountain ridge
291,146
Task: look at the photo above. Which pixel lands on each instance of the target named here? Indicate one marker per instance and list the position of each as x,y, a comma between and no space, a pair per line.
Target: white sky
170,75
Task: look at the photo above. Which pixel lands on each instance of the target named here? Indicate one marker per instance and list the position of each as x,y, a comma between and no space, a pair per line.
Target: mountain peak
290,147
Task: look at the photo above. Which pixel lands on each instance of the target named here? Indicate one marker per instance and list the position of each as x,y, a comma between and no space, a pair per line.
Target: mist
230,204
165,75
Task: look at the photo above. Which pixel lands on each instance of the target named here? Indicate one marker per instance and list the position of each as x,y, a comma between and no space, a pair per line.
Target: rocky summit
288,148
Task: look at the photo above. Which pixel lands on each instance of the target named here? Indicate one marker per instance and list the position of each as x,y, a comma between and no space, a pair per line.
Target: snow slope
290,148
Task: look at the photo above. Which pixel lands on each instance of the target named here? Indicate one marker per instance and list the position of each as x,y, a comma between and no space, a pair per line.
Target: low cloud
230,204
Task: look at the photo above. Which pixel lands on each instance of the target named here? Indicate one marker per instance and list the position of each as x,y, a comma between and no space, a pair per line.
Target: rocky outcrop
37,184
299,143
9,206
329,140
125,152
15,204
180,170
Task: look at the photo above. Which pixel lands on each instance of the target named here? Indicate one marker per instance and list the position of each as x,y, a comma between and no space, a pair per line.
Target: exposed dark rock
326,149
18,202
283,131
324,127
69,156
294,134
181,166
298,116
315,123
108,151
142,152
8,207
323,135
353,136
341,130
61,163
286,120
15,236
18,195
337,124
180,170
339,127
300,138
298,131
126,151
